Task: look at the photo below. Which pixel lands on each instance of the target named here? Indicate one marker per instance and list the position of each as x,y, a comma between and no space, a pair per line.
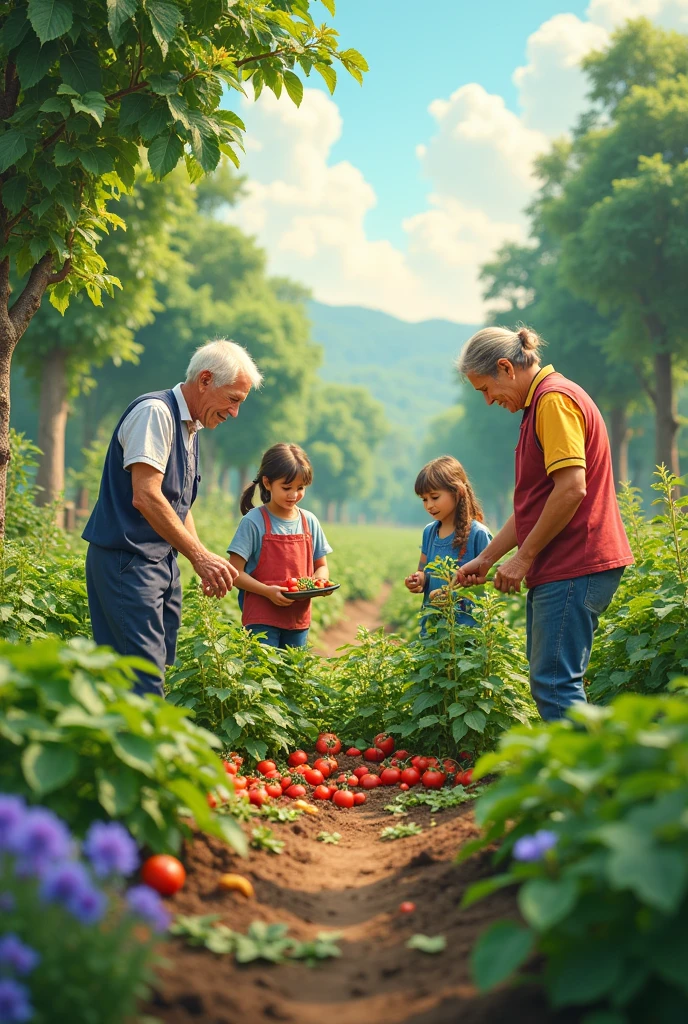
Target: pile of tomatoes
295,584
346,789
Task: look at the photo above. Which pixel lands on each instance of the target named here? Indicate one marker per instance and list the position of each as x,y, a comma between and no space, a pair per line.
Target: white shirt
146,434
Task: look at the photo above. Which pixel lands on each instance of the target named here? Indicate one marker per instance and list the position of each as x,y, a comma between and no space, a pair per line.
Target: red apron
282,555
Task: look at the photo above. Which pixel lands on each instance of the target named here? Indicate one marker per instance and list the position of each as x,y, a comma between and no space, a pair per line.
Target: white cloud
668,13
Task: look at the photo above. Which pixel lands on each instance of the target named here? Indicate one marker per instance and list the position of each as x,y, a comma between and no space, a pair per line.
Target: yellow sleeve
560,427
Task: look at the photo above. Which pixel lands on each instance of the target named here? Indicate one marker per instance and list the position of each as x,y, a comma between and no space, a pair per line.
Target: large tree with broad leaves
89,90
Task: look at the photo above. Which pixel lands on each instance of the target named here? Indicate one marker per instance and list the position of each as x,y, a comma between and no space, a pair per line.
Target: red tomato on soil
263,767
297,758
343,798
322,765
285,782
359,798
353,752
404,786
433,778
407,907
240,782
295,792
163,873
313,777
352,780
273,789
390,776
370,781
332,790
411,776
230,767
322,793
464,778
257,795
361,771
328,743
402,755
373,754
421,763
385,743
273,774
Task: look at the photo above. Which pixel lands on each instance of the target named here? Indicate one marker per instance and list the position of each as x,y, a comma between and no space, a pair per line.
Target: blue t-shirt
248,539
433,546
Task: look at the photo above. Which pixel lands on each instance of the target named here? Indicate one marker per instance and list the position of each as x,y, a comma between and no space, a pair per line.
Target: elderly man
143,514
572,547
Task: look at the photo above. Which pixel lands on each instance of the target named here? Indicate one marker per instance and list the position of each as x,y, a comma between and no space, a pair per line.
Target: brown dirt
354,887
356,613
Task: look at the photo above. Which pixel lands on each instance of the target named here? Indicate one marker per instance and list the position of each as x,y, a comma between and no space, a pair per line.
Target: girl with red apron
267,556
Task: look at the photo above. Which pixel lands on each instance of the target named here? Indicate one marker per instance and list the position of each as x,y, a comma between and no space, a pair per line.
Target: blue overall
132,577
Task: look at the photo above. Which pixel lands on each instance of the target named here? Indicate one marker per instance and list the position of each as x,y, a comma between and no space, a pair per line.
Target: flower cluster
532,848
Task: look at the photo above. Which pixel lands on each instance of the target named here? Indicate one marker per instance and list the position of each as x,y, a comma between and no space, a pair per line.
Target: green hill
407,366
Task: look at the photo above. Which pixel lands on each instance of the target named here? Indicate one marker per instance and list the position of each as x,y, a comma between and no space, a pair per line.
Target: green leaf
546,901
89,160
485,887
165,85
329,4
328,74
55,105
164,154
165,20
34,61
154,122
427,943
586,974
136,751
133,108
657,876
50,19
256,748
206,148
459,729
15,28
475,720
48,766
500,951
93,103
39,246
64,154
118,790
14,193
80,69
193,798
119,13
12,148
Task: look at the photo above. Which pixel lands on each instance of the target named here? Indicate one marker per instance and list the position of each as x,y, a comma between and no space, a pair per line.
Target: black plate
302,595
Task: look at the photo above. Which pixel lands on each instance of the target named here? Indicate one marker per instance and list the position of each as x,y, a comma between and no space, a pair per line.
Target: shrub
74,944
591,815
73,736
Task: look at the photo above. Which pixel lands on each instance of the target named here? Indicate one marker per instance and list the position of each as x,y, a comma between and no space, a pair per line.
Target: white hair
482,352
226,361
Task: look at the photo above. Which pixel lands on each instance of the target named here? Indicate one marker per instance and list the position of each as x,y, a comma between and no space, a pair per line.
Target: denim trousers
276,637
561,618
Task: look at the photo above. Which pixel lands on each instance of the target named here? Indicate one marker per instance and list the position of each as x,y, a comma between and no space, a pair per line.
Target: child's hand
275,595
415,582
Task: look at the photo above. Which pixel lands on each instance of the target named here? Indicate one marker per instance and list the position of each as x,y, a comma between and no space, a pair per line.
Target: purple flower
64,882
532,848
146,903
15,1007
12,811
88,906
110,849
17,955
39,839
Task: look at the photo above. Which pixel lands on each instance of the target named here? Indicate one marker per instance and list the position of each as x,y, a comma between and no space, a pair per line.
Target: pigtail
468,508
281,462
246,502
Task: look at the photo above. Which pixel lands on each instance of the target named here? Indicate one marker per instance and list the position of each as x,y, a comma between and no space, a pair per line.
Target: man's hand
415,582
274,594
216,573
509,575
473,573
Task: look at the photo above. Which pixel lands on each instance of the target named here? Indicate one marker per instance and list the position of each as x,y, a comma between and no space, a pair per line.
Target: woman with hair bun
566,525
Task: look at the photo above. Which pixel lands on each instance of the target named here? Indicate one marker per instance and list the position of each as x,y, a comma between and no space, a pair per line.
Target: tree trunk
619,436
52,423
6,349
666,418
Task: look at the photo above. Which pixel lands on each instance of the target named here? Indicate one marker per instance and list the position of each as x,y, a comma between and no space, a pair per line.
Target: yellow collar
544,372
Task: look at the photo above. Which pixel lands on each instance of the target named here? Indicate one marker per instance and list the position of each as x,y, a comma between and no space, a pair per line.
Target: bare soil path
355,888
356,613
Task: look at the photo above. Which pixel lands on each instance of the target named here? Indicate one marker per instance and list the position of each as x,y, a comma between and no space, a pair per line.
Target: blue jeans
561,618
277,637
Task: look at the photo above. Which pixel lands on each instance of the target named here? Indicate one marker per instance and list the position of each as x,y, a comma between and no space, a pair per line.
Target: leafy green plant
401,831
427,943
41,594
590,813
262,941
643,642
74,736
328,837
263,838
435,799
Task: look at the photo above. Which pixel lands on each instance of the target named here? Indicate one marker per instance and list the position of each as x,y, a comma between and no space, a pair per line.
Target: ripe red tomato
373,754
251,779
403,785
292,581
421,763
240,782
449,765
273,789
257,795
302,769
273,774
297,758
313,777
433,762
236,758
295,792
353,752
464,778
322,793
230,767
433,778
352,780
370,781
401,755
322,764
359,798
212,802
343,798
390,776
328,743
163,873
385,743
285,782
411,776
407,907
361,771
332,790
465,755
263,767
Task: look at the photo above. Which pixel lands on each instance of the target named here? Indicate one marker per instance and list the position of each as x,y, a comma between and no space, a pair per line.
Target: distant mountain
408,367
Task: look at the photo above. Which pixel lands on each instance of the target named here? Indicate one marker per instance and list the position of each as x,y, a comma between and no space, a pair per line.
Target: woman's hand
274,594
473,573
415,582
509,575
